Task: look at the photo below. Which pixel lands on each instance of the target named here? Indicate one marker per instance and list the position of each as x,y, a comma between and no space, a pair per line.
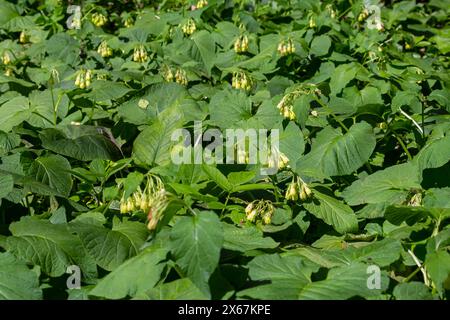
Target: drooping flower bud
99,19
292,191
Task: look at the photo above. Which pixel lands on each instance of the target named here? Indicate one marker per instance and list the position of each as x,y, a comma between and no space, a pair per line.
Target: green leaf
333,212
134,277
412,291
51,246
181,289
6,184
238,178
229,109
14,112
287,275
54,171
206,46
391,185
434,154
320,45
245,239
81,142
438,267
17,282
153,145
103,90
196,243
111,247
341,76
145,108
397,214
344,283
334,153
442,97
215,175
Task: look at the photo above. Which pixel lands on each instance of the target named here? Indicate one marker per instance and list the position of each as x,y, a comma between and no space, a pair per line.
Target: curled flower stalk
153,201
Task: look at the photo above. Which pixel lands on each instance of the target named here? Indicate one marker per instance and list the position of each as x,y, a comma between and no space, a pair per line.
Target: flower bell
99,19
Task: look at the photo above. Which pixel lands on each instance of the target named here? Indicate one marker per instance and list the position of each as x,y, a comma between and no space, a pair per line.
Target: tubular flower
104,50
128,23
201,4
286,47
363,15
189,27
292,191
99,19
140,54
331,11
23,38
153,201
298,189
260,210
6,58
241,44
166,73
286,107
83,79
240,80
305,191
180,77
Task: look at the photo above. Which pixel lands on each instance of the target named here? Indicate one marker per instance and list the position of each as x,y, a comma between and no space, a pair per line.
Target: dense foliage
89,99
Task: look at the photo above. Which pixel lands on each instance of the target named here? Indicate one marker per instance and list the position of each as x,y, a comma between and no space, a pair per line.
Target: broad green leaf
134,277
334,153
435,154
333,212
245,239
412,291
343,283
391,185
229,109
442,97
287,275
54,171
181,289
196,243
81,142
14,112
215,175
103,90
145,108
153,145
292,143
238,178
205,45
17,282
51,246
404,98
410,214
111,247
438,267
382,253
320,45
6,184
341,76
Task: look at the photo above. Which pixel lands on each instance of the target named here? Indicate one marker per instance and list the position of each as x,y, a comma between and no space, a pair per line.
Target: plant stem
402,144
